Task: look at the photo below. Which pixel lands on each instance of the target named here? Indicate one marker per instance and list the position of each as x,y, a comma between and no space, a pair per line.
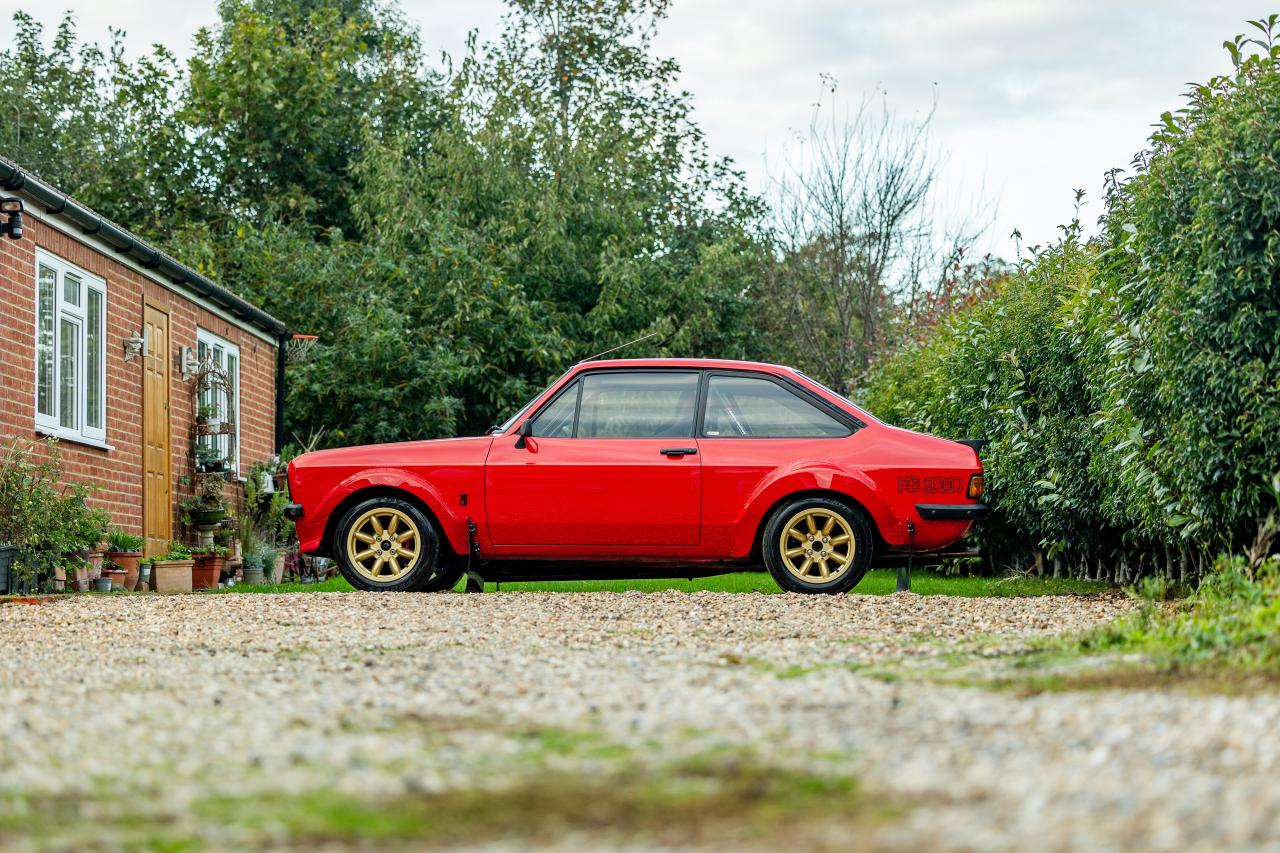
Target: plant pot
207,517
128,561
7,553
206,571
144,577
171,575
115,576
277,570
281,481
254,576
102,584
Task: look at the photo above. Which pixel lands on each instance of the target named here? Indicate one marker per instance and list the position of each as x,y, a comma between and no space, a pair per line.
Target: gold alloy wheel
817,545
384,544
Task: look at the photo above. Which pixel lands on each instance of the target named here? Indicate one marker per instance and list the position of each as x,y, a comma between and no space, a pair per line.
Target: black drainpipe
282,355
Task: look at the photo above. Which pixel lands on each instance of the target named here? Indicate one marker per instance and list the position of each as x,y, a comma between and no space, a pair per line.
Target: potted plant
208,508
125,550
207,456
208,566
258,562
144,577
171,572
207,415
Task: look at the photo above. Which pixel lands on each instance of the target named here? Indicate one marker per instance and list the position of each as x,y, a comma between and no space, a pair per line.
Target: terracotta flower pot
277,570
206,571
116,576
171,575
127,560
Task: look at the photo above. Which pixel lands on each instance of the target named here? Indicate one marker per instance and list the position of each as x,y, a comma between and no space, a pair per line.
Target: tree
853,233
283,95
102,127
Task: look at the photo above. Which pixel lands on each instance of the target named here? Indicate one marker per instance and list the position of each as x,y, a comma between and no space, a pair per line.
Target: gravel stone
190,696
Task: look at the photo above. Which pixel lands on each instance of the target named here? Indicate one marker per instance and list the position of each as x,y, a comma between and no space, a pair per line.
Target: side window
746,406
556,420
638,405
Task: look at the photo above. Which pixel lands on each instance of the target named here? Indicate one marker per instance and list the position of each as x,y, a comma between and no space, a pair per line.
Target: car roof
687,363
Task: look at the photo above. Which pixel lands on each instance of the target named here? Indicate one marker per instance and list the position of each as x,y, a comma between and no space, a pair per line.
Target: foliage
123,542
1128,384
264,520
1193,309
102,128
852,238
211,551
261,556
1232,619
38,508
455,240
175,551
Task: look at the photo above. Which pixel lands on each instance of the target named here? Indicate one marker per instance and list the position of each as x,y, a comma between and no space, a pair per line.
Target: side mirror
524,434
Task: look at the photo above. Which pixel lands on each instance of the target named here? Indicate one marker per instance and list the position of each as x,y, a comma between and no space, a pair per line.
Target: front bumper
952,512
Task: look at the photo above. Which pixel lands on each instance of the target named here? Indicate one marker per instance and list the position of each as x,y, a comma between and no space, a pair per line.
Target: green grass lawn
877,582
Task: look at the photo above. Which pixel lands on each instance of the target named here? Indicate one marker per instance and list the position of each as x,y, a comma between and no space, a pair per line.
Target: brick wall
118,471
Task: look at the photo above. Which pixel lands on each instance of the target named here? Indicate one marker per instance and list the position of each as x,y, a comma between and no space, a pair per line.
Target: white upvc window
225,403
71,351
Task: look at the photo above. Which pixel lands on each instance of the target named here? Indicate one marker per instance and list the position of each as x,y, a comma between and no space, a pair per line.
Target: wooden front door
157,484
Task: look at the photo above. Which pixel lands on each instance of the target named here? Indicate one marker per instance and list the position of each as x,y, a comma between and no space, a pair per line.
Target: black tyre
816,545
387,544
444,579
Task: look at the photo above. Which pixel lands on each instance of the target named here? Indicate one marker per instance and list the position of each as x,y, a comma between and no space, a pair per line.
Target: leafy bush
38,509
1128,383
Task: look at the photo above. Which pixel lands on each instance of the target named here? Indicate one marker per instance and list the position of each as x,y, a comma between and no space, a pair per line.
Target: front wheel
816,545
387,544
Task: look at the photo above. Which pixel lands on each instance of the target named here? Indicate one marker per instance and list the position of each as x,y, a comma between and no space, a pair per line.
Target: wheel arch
852,503
382,490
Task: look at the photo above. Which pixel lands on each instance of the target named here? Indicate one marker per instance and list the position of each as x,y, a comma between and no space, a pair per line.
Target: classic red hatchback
644,468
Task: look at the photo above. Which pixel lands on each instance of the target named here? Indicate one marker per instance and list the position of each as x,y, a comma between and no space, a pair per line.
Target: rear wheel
388,544
816,545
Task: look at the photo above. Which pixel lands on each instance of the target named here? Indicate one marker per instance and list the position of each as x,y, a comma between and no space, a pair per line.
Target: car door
611,462
754,424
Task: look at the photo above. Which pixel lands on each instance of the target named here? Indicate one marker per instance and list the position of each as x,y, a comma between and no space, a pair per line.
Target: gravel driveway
579,721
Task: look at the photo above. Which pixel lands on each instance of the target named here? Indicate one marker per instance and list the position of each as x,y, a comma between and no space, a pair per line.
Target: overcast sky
1035,97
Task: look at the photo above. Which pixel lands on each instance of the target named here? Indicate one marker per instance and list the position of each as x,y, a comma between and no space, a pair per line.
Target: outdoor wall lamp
12,208
134,346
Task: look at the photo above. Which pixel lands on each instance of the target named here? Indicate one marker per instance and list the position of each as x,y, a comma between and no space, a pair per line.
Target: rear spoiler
976,443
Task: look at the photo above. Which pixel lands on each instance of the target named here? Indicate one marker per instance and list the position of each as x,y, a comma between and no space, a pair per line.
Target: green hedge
1129,384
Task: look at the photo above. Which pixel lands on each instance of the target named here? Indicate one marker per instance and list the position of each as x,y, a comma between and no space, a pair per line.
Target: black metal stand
904,572
475,583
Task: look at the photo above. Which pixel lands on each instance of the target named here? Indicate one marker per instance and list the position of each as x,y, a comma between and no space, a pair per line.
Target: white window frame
226,443
50,424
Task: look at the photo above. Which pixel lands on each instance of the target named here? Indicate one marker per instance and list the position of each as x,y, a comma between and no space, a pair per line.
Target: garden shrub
47,518
1129,384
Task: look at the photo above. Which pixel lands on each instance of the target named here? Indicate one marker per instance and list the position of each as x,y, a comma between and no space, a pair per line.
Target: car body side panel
439,473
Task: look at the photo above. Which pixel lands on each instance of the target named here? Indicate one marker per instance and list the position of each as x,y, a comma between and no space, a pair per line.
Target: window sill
74,438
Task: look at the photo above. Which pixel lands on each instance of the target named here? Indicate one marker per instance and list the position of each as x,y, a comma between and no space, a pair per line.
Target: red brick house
101,337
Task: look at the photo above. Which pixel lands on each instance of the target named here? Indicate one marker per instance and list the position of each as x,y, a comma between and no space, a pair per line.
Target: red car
644,468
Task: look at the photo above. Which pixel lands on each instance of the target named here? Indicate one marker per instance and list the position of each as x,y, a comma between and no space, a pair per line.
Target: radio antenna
615,349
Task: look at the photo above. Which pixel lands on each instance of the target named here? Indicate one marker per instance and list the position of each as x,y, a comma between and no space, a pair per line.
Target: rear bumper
293,512
952,512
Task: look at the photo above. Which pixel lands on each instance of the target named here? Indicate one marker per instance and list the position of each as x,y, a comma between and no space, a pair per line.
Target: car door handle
679,451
